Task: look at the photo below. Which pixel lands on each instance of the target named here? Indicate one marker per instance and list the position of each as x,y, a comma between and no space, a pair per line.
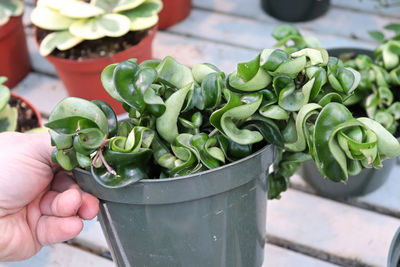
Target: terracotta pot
173,12
14,56
82,78
37,113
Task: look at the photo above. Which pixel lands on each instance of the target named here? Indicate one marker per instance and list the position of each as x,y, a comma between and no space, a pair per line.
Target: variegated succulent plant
73,21
8,114
10,8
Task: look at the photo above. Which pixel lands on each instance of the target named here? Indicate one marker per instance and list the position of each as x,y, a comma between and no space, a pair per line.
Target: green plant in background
184,121
8,114
10,8
292,40
73,21
373,94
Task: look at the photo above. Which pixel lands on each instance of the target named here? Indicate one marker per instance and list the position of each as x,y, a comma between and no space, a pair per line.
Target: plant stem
103,160
213,133
108,167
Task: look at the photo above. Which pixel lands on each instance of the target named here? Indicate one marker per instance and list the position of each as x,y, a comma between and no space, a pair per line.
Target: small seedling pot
367,181
394,251
30,105
213,218
82,78
295,10
14,57
173,12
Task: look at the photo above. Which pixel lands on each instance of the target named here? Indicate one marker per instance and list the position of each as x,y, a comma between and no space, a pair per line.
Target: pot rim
35,110
395,243
347,49
150,35
255,154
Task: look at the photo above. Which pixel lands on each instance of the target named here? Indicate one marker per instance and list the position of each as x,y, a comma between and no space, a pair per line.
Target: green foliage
73,21
8,114
183,121
10,8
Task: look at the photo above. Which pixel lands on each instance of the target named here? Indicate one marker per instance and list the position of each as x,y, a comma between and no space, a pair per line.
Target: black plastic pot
295,10
366,182
394,252
349,52
214,218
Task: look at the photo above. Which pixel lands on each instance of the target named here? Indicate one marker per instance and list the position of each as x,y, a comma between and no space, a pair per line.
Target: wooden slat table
303,229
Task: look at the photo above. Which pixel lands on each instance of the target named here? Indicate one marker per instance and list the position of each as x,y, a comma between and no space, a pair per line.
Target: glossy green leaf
267,128
67,159
232,150
249,76
174,74
201,70
110,115
301,128
167,123
71,110
242,136
330,116
130,168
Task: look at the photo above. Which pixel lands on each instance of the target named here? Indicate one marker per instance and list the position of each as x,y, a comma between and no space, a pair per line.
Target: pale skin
40,204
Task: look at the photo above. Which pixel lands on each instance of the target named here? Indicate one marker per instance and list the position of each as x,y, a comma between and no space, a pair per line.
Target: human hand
39,203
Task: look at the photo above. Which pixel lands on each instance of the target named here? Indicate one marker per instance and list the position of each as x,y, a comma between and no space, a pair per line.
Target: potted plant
15,63
300,10
80,39
16,113
167,197
373,98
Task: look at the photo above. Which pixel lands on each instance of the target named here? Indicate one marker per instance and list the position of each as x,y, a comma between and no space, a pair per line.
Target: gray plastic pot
366,182
214,218
394,251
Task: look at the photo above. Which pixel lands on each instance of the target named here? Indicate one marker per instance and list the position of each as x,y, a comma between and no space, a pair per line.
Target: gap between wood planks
99,252
354,201
314,253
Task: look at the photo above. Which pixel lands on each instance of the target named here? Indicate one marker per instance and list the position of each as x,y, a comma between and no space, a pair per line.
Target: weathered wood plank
92,237
337,21
328,229
369,7
43,91
249,33
279,257
385,199
62,255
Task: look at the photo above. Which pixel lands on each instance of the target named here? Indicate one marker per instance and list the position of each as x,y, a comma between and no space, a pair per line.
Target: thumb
41,146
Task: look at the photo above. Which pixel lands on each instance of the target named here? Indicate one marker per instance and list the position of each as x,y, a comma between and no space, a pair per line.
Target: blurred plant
292,40
73,21
8,114
10,8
